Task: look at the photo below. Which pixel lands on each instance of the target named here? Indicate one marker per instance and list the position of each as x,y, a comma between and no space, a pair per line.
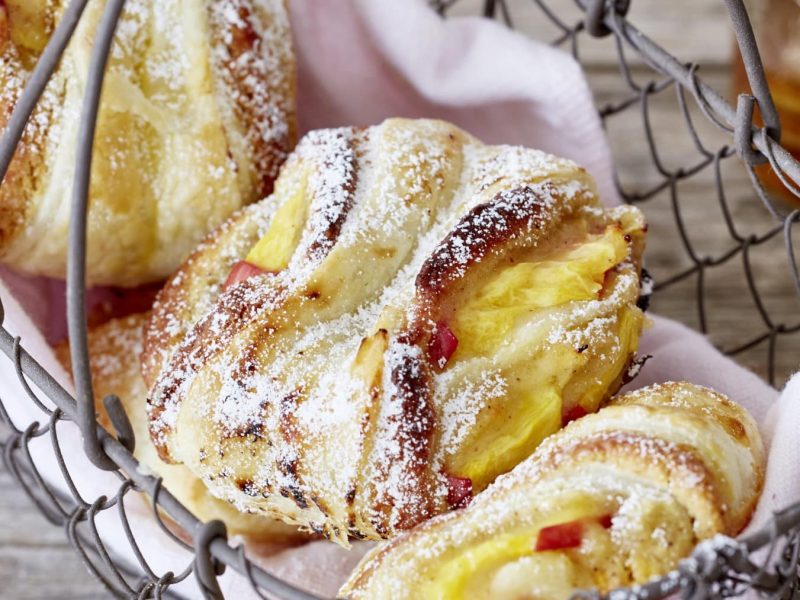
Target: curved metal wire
722,566
76,257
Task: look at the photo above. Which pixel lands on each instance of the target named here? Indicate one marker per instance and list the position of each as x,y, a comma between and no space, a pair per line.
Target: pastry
197,115
114,350
613,499
405,318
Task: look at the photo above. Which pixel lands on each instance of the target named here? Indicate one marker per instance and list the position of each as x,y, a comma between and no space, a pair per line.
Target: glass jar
776,24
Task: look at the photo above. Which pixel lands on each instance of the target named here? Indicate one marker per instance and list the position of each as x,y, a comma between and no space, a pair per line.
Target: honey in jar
776,24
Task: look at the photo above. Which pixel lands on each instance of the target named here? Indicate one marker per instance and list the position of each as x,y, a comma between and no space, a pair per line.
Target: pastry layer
405,318
197,115
614,499
114,350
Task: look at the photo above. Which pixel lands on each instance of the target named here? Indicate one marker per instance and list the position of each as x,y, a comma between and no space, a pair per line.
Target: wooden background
37,563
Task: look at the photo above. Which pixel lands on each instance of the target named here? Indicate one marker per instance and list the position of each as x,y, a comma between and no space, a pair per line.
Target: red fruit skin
576,412
560,537
606,280
240,271
567,535
442,345
459,491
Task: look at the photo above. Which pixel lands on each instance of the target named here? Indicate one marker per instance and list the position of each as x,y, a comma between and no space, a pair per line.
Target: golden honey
777,27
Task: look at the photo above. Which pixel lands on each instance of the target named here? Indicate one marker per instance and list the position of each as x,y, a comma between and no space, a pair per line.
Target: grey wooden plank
36,561
45,573
693,30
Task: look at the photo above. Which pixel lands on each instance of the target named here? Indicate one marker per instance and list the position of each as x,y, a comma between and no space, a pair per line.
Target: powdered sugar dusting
196,117
653,521
254,60
459,412
332,183
358,441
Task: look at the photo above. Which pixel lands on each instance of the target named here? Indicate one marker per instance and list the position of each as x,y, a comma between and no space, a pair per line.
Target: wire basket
766,561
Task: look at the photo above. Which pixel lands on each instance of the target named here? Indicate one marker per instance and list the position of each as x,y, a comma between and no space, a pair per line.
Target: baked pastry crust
314,393
664,467
196,117
114,350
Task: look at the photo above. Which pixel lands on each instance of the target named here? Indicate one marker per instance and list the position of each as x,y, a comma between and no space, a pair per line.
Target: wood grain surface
36,562
35,559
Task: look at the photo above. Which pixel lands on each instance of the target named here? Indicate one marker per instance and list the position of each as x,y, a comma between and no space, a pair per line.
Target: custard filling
485,321
472,567
553,380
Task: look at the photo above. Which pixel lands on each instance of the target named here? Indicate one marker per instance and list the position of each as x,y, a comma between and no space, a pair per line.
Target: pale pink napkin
361,61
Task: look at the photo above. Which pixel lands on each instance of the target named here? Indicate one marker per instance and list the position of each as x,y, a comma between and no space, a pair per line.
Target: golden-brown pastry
406,318
197,115
114,350
615,498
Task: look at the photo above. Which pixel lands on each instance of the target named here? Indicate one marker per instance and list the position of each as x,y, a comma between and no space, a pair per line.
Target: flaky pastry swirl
416,312
615,498
114,350
197,114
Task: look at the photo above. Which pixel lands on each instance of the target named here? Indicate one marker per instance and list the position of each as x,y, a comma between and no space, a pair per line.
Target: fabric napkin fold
361,61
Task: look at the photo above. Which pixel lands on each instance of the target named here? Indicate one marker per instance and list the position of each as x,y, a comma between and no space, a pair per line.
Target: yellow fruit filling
451,581
466,570
543,576
543,386
274,251
509,436
30,23
485,320
583,540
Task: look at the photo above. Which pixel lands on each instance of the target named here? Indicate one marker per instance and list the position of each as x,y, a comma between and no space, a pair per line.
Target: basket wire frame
755,146
765,561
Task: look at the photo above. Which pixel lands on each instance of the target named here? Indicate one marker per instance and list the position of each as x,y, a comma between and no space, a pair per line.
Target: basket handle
76,257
